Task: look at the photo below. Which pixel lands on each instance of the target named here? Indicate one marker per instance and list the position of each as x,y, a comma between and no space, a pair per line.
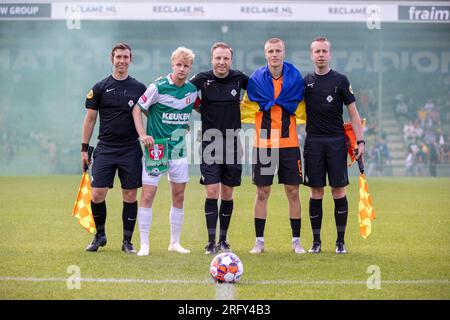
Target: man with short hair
168,104
325,150
278,90
221,169
118,148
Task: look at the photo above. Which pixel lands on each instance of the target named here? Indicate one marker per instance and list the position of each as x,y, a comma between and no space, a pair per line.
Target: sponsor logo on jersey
90,94
111,89
311,85
175,118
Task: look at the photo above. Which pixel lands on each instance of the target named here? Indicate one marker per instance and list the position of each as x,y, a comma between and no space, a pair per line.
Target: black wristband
360,141
84,147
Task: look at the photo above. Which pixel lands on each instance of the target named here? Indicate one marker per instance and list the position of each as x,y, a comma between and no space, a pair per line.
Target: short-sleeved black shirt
220,99
324,98
114,100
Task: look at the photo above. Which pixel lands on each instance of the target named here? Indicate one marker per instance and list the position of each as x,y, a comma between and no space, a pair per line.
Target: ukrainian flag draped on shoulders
260,94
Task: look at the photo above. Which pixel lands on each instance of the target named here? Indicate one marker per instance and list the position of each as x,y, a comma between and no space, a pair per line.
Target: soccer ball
226,267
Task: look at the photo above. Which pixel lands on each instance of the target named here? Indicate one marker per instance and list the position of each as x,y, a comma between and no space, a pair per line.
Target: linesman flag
82,208
366,212
365,208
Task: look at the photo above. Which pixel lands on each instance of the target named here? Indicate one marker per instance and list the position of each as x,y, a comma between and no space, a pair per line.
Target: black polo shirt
324,98
114,100
220,106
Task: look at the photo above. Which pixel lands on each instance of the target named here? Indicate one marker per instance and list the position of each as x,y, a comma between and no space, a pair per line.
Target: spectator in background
401,109
421,159
408,131
418,131
434,157
409,162
429,105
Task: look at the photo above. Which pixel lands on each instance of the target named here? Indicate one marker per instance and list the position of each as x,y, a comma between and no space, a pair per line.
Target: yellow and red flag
82,209
366,212
365,208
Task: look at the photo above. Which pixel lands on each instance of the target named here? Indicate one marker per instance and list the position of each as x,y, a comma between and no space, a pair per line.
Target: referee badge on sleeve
350,89
90,94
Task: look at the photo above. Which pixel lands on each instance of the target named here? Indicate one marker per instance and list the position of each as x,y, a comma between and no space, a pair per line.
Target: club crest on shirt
233,92
156,152
329,99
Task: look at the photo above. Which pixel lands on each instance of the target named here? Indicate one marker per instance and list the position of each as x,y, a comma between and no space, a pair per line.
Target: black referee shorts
221,163
286,161
325,155
126,159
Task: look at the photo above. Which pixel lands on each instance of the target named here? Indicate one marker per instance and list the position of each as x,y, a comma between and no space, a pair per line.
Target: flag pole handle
360,162
89,152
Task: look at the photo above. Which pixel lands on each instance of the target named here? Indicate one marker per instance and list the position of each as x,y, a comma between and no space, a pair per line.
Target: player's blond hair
274,40
185,54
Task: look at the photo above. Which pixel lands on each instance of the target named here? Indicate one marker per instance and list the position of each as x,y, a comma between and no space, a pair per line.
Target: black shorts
126,159
221,165
325,155
286,161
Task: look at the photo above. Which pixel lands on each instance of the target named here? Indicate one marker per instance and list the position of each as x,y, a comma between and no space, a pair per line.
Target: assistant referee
325,149
118,148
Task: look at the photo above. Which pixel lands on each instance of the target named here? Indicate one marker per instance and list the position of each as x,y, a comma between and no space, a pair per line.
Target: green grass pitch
409,247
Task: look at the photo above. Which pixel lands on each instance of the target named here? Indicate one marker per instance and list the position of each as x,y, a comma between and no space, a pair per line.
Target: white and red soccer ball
226,267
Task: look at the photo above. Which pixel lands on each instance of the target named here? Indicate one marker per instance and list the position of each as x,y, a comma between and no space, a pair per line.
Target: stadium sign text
274,10
179,9
425,13
38,10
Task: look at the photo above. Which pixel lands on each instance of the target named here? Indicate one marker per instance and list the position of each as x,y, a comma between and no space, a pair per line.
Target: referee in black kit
219,90
325,150
118,147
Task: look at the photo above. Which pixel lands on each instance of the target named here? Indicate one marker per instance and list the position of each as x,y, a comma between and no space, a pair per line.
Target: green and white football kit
168,110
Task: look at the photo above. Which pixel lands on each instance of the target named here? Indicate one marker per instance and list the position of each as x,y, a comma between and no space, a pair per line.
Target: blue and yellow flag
250,108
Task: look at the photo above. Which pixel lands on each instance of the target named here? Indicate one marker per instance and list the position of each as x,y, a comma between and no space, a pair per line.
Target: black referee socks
315,215
99,214
226,210
211,214
129,213
340,215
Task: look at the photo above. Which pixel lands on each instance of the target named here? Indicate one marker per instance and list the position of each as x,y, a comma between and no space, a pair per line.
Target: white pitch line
249,282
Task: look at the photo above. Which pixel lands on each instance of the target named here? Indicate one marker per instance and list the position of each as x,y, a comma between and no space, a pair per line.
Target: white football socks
176,222
144,222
